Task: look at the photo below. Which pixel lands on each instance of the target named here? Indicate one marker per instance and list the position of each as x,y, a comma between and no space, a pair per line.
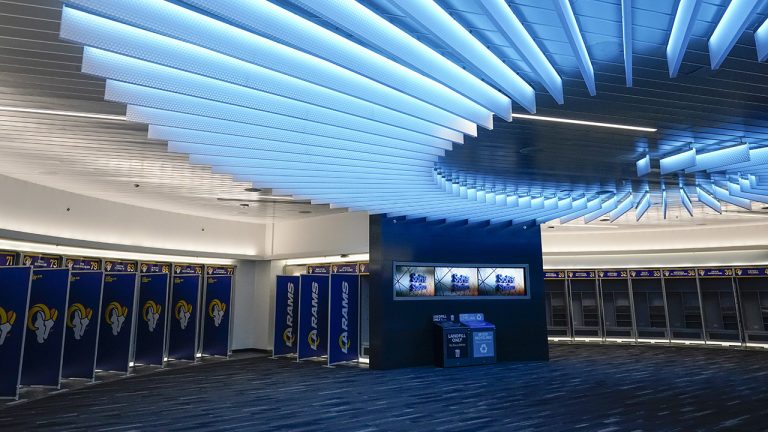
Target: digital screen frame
451,281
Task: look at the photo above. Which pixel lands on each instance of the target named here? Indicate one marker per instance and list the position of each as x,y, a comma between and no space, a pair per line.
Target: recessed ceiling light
583,122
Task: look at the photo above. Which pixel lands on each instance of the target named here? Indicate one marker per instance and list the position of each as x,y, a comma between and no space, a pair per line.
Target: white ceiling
102,158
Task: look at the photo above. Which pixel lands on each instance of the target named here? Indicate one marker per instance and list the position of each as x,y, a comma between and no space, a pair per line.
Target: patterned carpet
583,387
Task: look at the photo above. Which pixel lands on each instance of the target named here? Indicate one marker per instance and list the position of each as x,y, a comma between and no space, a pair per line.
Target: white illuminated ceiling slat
124,39
444,27
262,16
377,31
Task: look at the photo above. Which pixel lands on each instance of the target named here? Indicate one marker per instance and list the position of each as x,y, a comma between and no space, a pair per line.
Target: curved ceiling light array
263,94
730,175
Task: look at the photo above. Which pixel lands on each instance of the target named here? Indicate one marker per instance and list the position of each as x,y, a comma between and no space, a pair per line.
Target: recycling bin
470,341
482,335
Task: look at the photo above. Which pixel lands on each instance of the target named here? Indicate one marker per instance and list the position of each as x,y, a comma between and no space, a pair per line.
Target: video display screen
414,281
442,281
501,281
455,281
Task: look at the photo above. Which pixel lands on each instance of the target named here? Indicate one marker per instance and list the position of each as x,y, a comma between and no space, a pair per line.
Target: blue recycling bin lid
479,324
475,321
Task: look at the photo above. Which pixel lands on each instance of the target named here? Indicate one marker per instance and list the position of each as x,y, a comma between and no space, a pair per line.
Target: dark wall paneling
401,330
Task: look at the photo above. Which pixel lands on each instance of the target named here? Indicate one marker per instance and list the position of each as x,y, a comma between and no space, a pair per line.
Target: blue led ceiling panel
678,162
708,199
263,88
444,27
382,34
239,59
687,11
736,191
263,16
721,158
686,200
623,207
219,131
514,32
643,204
573,35
723,195
761,41
161,100
735,19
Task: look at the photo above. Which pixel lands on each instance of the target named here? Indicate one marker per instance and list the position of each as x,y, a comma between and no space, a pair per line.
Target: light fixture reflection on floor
583,122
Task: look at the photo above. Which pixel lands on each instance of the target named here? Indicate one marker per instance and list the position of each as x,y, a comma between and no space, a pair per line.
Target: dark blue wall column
401,331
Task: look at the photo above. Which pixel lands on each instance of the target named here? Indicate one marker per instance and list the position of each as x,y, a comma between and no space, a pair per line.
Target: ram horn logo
151,314
288,337
6,322
41,320
344,342
183,311
115,315
216,311
78,317
313,339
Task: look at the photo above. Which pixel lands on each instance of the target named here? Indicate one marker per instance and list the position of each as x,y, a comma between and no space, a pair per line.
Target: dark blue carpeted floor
589,388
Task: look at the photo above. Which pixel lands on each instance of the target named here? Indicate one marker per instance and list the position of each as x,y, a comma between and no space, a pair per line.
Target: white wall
745,243
343,233
30,209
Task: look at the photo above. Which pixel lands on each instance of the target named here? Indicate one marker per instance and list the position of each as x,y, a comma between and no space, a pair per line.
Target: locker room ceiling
102,158
700,108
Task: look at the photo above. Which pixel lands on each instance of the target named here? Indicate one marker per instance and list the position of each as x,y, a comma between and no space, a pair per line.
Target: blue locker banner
14,298
82,263
46,321
154,267
217,309
286,315
8,259
182,333
151,320
346,268
343,335
751,271
579,274
679,273
119,266
319,269
313,316
554,274
82,322
716,272
612,274
116,320
187,269
363,268
43,261
645,274
220,270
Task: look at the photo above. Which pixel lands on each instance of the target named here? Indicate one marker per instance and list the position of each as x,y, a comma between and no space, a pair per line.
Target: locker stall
617,304
683,304
649,302
585,304
365,316
718,297
556,299
752,287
